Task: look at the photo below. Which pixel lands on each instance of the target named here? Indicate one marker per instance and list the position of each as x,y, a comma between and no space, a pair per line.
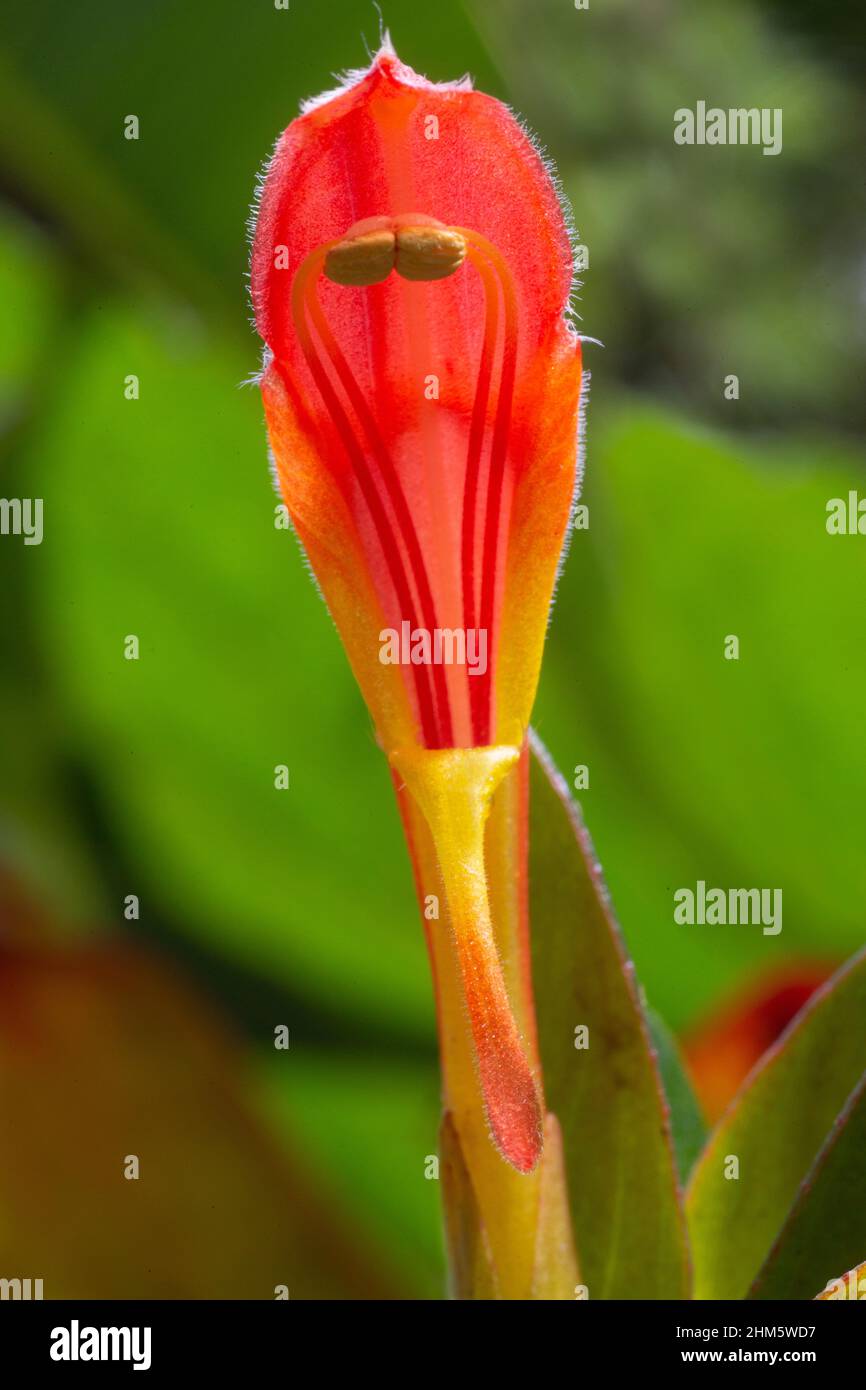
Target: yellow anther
428,253
362,260
422,250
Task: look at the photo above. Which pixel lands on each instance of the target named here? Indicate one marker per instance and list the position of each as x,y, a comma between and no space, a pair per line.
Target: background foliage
707,518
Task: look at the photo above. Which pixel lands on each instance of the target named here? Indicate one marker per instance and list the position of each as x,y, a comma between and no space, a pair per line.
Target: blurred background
146,1027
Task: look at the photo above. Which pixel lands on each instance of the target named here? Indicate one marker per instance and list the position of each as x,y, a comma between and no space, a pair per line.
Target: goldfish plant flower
411,275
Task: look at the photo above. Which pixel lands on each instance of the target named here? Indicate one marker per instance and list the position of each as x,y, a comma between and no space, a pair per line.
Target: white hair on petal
347,80
255,377
305,559
578,484
570,313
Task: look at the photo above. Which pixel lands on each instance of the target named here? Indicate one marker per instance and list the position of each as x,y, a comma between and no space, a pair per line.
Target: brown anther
362,260
428,253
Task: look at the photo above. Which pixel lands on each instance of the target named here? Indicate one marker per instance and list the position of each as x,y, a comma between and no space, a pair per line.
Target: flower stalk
519,1207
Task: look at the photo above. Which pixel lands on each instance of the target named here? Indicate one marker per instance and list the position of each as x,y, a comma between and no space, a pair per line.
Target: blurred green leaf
743,772
629,1229
825,1229
29,292
38,832
103,1056
369,1126
239,672
775,1129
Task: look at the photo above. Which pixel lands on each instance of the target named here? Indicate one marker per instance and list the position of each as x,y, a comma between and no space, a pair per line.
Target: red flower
411,269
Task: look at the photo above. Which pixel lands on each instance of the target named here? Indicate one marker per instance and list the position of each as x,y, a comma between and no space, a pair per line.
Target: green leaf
775,1129
629,1229
825,1229
687,1123
105,1056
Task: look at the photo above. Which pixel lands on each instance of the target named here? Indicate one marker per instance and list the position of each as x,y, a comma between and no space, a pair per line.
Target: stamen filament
395,495
476,432
307,272
482,701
